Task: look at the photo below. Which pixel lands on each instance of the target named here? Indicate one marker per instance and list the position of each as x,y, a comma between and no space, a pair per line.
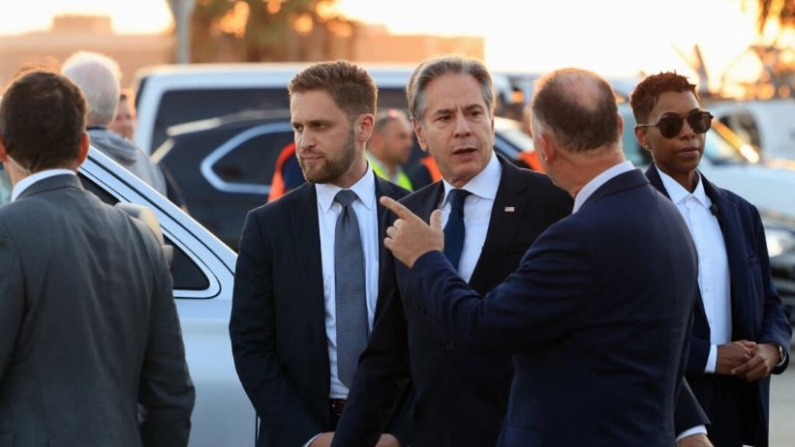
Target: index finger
397,208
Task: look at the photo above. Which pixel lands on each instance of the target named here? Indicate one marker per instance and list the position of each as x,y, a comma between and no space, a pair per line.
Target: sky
613,37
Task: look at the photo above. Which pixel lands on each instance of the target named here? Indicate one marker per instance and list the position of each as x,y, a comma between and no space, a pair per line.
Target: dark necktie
351,306
454,230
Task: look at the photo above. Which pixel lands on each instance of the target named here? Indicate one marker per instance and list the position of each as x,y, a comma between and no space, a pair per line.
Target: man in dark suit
597,327
741,332
88,327
295,341
460,397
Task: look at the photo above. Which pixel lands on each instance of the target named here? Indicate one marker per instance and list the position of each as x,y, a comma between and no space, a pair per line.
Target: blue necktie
350,296
454,230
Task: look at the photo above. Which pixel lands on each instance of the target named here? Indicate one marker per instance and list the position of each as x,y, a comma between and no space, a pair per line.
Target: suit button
449,346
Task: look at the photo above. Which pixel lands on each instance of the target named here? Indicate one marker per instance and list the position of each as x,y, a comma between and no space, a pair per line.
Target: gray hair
436,67
99,77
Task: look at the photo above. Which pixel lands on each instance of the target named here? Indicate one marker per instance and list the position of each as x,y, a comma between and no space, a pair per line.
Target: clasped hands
746,359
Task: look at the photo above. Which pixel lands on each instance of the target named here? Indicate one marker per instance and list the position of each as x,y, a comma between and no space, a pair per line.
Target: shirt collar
679,194
26,182
484,184
364,189
597,182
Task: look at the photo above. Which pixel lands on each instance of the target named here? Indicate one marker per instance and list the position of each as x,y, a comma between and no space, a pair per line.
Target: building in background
70,33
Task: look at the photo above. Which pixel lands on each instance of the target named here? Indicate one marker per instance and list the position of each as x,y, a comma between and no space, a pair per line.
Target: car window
744,126
182,106
187,105
252,161
185,273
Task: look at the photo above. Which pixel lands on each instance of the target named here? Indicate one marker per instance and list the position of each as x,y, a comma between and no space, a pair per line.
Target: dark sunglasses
671,125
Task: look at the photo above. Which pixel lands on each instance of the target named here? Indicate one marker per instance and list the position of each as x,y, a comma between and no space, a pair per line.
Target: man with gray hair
98,76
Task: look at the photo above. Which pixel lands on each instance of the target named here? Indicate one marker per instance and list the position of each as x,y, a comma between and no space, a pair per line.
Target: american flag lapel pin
510,209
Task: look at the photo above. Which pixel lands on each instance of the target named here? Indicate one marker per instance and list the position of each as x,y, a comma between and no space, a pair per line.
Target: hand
323,440
409,237
733,354
764,359
697,440
388,440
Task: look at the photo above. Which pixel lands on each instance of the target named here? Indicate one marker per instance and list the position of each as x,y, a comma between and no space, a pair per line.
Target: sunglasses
671,125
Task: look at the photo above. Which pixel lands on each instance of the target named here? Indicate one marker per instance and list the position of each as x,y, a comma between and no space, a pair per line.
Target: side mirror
148,217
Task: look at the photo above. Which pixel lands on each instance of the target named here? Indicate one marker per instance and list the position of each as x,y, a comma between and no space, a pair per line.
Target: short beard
333,168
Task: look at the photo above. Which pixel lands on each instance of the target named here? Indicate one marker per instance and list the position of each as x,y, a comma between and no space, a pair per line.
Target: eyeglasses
670,125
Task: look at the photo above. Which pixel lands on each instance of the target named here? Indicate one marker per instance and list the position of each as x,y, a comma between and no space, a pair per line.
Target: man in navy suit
460,398
597,327
741,332
290,312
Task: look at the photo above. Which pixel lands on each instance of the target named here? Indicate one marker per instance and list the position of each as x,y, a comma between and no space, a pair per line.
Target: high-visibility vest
530,158
277,182
402,179
433,169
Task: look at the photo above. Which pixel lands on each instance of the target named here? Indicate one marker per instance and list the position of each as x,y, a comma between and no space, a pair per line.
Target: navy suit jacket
460,398
596,324
277,325
757,312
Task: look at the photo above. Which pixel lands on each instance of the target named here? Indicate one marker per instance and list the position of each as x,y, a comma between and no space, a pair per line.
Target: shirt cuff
697,430
712,360
311,439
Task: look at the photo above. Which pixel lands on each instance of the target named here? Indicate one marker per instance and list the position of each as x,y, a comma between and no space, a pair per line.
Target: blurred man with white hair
98,76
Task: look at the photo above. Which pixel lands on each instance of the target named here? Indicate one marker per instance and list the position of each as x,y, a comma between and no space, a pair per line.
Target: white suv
167,95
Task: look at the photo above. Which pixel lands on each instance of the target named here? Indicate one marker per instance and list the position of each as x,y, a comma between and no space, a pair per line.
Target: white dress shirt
477,213
26,182
713,264
367,215
597,182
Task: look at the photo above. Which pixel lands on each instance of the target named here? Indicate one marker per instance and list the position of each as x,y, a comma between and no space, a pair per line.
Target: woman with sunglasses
741,333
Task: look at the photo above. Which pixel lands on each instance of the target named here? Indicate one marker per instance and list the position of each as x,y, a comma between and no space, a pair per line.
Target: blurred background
737,48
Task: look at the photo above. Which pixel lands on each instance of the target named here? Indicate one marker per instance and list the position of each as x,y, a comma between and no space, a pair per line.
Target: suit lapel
305,237
729,221
506,218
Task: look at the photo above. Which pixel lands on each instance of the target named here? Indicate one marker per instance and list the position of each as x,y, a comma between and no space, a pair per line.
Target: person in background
390,146
741,331
310,276
88,328
98,77
598,328
124,121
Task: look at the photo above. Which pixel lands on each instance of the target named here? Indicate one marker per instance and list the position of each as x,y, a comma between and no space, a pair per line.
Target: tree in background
269,30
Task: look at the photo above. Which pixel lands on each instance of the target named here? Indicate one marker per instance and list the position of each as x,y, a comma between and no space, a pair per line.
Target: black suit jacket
757,312
460,398
277,325
597,326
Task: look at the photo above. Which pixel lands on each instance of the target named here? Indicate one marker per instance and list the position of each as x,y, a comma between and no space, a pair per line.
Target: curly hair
648,91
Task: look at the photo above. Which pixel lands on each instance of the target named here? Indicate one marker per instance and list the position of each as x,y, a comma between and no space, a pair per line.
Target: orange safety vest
277,182
530,158
433,170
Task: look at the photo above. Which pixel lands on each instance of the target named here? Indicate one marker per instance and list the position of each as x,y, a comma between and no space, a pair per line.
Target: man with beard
307,277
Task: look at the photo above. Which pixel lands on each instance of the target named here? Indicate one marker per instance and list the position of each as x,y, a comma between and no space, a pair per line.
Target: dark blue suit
278,327
757,315
597,325
460,398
